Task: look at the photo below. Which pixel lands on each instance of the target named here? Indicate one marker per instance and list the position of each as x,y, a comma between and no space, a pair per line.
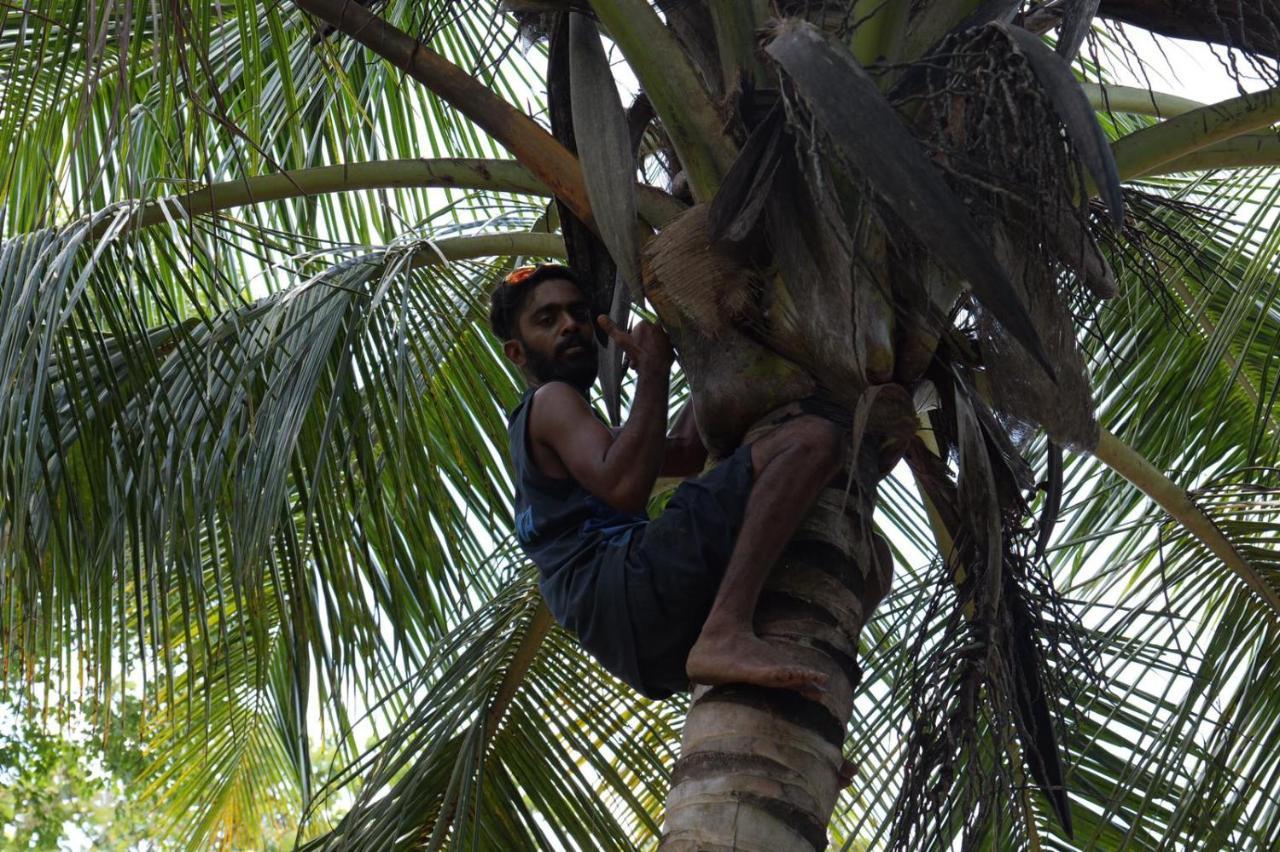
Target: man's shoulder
558,390
558,400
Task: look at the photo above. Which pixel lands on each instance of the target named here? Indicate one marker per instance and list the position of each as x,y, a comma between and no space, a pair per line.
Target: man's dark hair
507,300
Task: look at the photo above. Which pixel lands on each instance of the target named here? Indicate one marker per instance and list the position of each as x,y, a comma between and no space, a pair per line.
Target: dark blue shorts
674,568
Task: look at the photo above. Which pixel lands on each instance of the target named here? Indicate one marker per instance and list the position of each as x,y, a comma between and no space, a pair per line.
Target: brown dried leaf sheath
685,273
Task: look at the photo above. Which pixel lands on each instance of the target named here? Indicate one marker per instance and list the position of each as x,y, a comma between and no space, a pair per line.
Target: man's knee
818,438
807,440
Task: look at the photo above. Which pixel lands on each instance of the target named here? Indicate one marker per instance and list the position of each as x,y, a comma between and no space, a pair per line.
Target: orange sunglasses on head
521,274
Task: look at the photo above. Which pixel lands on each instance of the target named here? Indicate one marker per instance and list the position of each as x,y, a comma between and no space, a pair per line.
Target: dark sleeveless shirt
580,546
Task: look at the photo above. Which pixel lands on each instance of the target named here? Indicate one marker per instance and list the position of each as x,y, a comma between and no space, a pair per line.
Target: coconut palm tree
252,428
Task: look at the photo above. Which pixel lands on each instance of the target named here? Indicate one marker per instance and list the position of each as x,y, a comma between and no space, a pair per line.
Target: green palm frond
513,721
253,456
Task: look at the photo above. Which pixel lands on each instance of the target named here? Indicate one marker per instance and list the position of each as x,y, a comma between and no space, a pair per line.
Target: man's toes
846,773
803,679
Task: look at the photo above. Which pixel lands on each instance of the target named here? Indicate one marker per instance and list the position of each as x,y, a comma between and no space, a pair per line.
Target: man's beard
578,370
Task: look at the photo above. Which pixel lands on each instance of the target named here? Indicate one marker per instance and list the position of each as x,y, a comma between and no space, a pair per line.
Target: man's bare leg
792,464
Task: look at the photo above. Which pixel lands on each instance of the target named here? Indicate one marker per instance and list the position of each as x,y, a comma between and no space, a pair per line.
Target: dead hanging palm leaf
844,100
740,201
587,253
987,123
1063,409
607,155
1077,116
1077,18
982,688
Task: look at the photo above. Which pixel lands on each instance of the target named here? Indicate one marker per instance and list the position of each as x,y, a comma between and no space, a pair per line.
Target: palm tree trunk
758,768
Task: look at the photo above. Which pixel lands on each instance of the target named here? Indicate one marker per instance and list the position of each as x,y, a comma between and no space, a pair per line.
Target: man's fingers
612,329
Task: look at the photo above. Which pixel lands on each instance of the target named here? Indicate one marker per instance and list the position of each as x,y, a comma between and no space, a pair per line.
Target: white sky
1186,68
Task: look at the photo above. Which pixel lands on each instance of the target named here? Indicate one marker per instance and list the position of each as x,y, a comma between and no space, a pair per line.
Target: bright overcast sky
1190,69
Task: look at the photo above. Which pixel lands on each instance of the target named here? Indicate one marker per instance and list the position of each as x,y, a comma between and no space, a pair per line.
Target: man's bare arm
684,455
621,469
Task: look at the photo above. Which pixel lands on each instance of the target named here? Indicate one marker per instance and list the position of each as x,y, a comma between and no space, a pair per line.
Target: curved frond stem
1251,150
1141,153
1137,101
520,243
688,114
532,145
735,25
1130,464
518,668
656,206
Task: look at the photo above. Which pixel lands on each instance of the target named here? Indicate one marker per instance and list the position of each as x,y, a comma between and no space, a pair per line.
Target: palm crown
253,428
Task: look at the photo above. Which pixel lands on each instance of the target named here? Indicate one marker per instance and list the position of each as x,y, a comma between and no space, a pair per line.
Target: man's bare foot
746,658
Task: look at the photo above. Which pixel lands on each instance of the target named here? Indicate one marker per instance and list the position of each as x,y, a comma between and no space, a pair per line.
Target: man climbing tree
642,596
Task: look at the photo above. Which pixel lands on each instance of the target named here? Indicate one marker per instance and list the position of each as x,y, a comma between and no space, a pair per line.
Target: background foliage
252,459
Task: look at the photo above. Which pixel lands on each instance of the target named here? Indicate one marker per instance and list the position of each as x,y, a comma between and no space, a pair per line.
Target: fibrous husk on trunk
705,293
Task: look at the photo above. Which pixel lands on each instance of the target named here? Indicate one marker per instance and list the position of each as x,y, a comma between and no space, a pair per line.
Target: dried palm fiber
997,133
708,283
704,293
831,16
985,684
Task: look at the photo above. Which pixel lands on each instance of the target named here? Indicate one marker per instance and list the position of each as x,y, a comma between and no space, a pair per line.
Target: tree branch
656,206
533,146
1137,100
1127,462
1252,150
1143,152
524,243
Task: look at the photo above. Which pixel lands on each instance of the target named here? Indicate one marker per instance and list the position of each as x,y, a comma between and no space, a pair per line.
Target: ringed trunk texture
759,767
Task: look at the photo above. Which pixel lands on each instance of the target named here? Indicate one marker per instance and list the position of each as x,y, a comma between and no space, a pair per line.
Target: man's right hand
646,345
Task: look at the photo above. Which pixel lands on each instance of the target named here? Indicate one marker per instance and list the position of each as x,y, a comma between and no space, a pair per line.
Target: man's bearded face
557,336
